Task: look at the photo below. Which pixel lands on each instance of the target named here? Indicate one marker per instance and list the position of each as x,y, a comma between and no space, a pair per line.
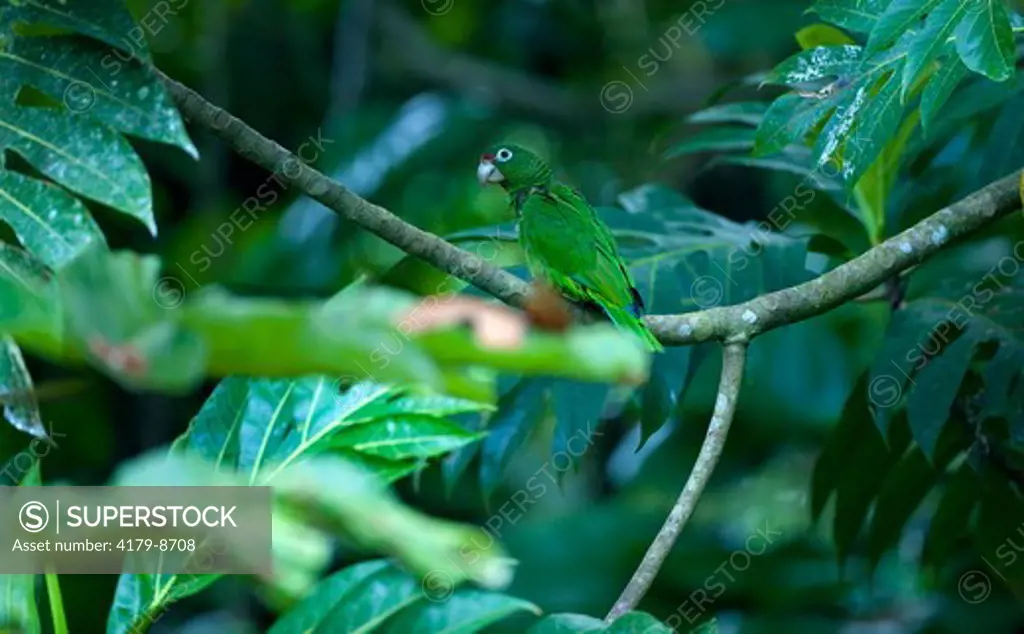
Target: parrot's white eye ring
504,154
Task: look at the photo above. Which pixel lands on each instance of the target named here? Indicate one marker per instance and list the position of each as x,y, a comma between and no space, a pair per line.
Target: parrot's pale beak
486,173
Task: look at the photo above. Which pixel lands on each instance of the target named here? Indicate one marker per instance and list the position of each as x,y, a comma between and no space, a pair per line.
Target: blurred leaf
17,393
713,139
629,622
144,332
18,607
355,506
375,594
748,112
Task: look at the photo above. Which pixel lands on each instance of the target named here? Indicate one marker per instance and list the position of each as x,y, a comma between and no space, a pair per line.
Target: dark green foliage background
870,528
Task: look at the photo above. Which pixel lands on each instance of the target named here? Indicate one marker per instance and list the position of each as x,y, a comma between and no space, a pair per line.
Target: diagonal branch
739,322
734,357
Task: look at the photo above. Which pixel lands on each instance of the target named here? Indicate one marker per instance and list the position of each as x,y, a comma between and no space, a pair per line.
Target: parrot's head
511,166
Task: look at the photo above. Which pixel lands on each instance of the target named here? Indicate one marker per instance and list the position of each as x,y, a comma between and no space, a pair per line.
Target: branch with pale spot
734,356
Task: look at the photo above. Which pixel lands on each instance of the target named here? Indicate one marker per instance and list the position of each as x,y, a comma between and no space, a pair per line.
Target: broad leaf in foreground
115,310
376,594
355,507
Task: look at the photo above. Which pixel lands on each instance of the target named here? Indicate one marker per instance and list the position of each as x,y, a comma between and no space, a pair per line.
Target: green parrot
565,242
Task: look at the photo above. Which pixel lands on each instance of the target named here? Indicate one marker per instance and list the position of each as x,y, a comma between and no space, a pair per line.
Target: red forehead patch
486,157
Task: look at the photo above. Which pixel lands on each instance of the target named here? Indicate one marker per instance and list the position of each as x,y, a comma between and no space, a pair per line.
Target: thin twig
733,359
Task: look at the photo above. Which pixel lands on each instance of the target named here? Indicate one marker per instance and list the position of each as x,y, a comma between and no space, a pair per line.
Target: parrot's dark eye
504,154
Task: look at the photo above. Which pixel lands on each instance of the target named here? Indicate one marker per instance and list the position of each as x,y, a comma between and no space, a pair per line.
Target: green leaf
857,16
789,119
855,489
625,624
519,411
816,64
748,112
939,88
51,224
400,438
126,96
104,20
930,42
16,391
88,158
984,39
465,612
817,35
713,140
355,505
903,491
952,518
935,338
18,612
1004,151
357,599
899,17
29,301
143,331
293,419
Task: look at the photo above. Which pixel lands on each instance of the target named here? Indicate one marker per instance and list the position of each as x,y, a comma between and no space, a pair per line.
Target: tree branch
739,322
733,359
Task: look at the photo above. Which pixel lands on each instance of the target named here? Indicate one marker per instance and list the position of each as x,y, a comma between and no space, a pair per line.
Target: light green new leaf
53,225
817,35
984,39
29,301
91,80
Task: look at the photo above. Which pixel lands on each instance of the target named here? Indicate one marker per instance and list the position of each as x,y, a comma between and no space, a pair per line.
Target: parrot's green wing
568,244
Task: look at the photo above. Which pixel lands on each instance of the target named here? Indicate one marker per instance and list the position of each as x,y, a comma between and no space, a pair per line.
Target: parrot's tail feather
625,320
